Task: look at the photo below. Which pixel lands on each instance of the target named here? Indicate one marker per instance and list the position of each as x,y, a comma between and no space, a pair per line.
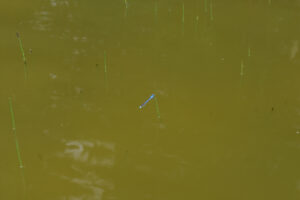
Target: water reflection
80,150
204,123
43,21
294,49
90,181
85,154
55,3
57,11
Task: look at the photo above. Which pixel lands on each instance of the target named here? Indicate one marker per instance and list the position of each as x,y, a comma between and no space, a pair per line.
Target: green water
226,79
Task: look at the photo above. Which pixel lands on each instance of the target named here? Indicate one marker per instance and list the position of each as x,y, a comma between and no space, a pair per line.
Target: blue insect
151,97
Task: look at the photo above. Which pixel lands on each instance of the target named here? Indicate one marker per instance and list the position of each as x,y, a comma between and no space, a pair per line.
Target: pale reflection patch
80,38
84,151
298,186
90,181
294,49
96,190
55,3
77,52
43,21
52,75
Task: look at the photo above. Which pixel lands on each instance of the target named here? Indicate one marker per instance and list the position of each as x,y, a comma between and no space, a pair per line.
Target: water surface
226,79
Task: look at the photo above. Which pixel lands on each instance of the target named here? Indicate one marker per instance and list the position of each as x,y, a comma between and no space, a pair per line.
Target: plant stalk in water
23,55
157,107
17,145
196,25
205,6
211,11
126,7
182,19
105,71
14,131
249,51
155,10
156,104
183,13
242,70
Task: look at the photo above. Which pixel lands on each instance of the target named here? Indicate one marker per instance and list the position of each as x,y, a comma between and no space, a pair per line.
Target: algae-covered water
224,123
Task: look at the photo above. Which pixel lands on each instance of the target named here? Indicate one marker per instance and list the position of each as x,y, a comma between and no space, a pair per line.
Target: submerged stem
105,71
23,55
14,131
157,108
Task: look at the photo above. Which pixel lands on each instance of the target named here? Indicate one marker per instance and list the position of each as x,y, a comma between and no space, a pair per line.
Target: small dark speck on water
40,156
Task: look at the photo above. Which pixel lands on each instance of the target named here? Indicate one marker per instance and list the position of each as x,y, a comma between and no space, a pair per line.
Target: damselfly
151,97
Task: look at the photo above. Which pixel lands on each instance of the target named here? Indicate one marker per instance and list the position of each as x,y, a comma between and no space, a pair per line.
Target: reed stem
126,8
14,131
183,13
182,19
242,68
242,71
196,25
23,55
211,11
155,10
157,107
105,71
205,6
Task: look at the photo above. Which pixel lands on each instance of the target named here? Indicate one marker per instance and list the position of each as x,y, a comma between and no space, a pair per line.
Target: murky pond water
224,123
